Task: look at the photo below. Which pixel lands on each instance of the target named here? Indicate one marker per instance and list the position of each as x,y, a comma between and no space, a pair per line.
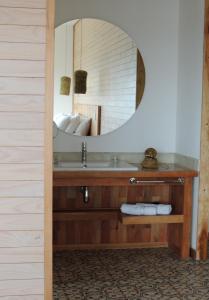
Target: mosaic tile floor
129,275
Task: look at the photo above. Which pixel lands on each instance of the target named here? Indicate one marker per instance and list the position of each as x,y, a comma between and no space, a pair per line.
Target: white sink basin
95,166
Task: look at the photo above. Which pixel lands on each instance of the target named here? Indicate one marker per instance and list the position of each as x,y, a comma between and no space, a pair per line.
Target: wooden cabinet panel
99,222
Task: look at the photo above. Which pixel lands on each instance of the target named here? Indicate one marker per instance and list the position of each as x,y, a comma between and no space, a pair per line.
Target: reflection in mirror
115,77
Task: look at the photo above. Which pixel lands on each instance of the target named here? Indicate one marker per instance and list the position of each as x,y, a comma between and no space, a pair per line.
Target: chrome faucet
84,154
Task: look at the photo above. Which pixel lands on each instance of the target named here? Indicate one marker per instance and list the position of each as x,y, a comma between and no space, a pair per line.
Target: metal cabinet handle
134,181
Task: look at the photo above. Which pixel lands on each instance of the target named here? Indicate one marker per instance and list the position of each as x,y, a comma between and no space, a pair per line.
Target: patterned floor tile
153,274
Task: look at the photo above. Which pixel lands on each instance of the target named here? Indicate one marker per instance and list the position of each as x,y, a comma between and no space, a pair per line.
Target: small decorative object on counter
150,161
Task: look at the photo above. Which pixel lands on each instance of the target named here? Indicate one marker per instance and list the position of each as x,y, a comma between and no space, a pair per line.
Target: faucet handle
84,145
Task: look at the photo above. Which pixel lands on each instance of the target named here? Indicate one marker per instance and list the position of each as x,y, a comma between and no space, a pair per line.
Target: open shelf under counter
159,219
87,215
99,223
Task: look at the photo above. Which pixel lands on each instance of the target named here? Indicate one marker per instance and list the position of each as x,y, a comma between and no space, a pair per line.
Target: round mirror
99,77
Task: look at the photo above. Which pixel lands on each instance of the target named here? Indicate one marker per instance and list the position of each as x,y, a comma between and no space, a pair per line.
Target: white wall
109,56
63,66
191,22
154,27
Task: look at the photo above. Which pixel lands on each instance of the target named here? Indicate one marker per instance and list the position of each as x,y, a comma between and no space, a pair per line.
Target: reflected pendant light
80,75
65,81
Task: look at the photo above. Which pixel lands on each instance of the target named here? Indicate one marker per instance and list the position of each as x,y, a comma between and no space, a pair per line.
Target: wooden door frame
203,210
48,152
203,213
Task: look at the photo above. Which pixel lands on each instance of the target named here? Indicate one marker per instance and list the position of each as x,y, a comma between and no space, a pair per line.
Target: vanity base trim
109,246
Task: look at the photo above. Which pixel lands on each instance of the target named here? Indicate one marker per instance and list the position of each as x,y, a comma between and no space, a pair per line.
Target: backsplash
186,161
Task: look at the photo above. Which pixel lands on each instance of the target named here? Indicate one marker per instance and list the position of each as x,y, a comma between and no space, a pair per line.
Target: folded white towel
147,209
138,210
162,209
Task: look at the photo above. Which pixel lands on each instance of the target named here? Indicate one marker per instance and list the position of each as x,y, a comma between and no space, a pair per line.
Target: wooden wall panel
21,86
21,138
21,255
28,155
22,120
23,3
21,188
23,34
22,51
22,68
21,287
22,115
28,297
22,16
13,206
21,239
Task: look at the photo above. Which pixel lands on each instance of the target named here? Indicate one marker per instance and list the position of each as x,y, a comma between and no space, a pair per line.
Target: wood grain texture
21,271
21,206
22,68
22,91
98,222
23,155
21,172
28,297
21,287
21,138
22,16
23,34
21,255
23,3
109,246
21,189
48,154
22,222
130,220
21,103
22,86
203,213
21,239
22,51
22,120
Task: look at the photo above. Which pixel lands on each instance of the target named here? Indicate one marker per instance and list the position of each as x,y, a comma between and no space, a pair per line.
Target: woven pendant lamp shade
65,85
80,82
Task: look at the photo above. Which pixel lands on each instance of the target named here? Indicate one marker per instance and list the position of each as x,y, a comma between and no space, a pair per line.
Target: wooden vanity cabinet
99,223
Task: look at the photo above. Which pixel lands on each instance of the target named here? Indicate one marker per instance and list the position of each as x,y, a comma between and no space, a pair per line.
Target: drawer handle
134,181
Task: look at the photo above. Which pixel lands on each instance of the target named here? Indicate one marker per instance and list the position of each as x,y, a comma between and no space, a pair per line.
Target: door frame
48,152
203,210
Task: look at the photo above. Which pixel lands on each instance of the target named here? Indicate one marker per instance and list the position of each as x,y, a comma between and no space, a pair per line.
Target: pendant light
80,75
65,81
